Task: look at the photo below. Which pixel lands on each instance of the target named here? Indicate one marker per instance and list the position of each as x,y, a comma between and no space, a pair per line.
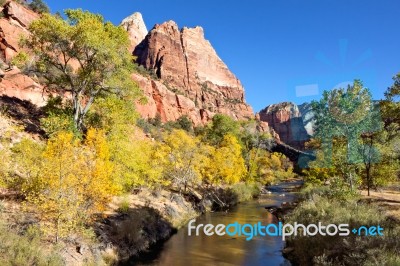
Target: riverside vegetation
334,180
95,149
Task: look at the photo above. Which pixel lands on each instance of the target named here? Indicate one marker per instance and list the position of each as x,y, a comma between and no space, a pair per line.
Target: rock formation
192,79
16,84
169,105
13,25
186,63
136,28
286,120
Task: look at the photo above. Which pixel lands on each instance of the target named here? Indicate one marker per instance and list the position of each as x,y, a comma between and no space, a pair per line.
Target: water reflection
185,250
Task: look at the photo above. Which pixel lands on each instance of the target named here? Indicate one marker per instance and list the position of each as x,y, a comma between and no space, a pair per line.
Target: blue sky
282,50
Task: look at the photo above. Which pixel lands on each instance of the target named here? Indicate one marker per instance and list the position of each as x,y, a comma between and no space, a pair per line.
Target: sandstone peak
188,64
198,30
169,28
136,28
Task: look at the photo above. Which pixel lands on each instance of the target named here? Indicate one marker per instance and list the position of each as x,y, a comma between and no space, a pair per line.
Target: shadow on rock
134,231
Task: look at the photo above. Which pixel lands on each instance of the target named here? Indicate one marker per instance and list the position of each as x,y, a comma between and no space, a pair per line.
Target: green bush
337,190
144,124
246,191
123,205
182,122
145,72
58,117
39,6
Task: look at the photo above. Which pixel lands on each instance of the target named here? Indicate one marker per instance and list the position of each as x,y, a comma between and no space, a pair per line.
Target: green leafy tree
39,6
83,57
185,123
221,125
345,113
390,107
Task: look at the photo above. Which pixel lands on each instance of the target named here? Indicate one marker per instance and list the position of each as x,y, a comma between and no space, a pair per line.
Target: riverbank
137,222
140,222
185,249
129,228
320,204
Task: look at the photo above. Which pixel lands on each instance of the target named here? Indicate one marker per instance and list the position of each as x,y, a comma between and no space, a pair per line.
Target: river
185,250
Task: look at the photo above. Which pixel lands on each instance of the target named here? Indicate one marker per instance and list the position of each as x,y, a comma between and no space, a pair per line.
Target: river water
185,250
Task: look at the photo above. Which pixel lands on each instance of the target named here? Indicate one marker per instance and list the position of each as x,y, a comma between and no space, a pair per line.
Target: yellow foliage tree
4,167
259,167
74,182
25,164
137,163
267,167
54,193
96,180
227,164
183,159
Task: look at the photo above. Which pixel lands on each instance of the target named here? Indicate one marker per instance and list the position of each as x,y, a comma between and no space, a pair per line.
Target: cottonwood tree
346,113
228,165
82,56
182,155
390,107
73,182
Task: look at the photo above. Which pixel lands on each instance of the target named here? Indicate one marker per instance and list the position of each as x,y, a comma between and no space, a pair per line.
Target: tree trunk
368,168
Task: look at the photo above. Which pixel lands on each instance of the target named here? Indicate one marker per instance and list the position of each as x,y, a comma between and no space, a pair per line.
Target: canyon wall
287,121
187,65
13,25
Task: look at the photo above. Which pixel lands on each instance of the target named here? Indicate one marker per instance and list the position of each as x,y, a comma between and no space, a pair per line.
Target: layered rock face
136,28
13,25
169,105
186,64
286,120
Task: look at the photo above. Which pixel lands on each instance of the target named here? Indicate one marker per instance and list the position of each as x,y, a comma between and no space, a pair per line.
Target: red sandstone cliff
192,79
187,65
136,28
286,120
13,25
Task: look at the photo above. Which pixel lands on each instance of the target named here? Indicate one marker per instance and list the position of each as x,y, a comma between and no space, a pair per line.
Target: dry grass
388,199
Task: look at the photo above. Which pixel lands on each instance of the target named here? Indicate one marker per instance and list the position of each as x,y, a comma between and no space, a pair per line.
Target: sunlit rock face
187,64
136,29
286,120
14,25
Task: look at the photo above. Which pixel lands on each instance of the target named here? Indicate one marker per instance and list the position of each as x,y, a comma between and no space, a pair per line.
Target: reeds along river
182,249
